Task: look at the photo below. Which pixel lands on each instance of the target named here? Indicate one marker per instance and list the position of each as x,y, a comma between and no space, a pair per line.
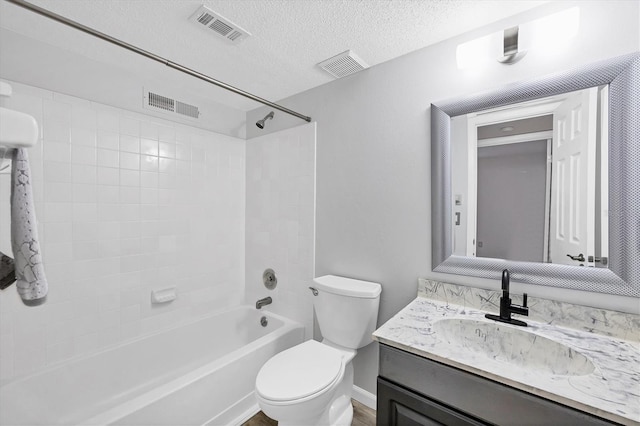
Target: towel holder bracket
5,159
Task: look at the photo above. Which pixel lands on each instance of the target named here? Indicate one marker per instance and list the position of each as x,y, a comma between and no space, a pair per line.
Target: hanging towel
7,271
31,282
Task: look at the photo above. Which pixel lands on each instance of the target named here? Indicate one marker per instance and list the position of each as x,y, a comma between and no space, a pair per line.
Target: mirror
468,191
530,180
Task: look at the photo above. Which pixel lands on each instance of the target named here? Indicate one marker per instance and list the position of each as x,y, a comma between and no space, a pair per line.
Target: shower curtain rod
132,48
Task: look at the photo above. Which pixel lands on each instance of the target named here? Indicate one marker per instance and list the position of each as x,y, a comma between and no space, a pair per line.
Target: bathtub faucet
262,302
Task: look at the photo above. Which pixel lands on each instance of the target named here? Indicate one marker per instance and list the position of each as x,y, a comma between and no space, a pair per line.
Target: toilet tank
346,309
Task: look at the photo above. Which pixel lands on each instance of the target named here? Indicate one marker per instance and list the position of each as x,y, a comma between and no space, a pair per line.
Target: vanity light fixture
476,53
550,33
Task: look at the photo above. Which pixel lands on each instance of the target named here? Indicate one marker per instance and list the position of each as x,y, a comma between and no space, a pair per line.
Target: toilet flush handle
314,291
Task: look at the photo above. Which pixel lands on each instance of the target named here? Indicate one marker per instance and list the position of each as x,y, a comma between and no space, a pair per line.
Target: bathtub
198,373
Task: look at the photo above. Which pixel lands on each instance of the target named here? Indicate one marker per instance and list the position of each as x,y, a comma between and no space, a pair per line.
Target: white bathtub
199,373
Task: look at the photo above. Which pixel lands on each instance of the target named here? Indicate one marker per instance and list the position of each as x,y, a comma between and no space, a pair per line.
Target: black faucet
506,308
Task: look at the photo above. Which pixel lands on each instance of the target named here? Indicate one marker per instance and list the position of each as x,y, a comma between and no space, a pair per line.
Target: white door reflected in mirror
530,181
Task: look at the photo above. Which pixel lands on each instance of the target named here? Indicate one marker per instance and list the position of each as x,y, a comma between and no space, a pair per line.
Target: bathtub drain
264,321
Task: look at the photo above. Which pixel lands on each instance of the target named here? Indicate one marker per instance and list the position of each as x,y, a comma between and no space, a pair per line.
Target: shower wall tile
126,203
280,213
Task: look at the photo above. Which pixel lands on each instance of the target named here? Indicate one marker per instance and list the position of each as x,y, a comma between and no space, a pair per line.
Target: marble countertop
611,391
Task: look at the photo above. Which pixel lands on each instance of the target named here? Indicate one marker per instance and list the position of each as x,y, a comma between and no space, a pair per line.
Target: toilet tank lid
348,286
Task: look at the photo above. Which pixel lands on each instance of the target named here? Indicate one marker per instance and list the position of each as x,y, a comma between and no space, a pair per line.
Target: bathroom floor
362,416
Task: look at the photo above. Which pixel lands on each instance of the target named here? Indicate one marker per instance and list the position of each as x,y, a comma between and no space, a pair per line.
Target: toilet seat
304,371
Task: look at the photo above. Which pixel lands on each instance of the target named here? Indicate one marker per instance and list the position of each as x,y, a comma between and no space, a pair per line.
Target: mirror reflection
530,181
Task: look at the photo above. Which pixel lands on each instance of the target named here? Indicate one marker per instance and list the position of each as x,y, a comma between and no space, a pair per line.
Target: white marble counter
611,391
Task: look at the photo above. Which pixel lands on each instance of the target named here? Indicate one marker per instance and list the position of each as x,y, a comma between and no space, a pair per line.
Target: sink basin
515,346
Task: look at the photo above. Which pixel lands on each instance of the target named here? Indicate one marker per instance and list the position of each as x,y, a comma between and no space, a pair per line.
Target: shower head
260,123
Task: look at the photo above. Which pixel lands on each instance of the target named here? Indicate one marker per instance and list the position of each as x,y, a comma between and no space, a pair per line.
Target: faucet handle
524,300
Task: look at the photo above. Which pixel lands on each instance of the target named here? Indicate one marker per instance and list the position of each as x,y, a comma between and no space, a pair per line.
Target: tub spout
262,302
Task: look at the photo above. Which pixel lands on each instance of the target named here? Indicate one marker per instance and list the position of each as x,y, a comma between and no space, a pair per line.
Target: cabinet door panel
405,416
398,406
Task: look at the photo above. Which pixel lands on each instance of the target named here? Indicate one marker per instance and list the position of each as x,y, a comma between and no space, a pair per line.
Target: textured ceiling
289,37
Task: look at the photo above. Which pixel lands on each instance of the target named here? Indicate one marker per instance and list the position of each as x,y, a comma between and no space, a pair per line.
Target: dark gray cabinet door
398,406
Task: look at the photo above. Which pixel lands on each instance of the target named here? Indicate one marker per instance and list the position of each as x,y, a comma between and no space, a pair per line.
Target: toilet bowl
311,383
299,384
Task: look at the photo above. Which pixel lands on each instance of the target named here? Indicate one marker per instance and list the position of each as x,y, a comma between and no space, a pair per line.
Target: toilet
311,383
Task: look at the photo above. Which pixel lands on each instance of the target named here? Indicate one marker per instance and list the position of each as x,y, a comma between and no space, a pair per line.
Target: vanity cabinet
413,390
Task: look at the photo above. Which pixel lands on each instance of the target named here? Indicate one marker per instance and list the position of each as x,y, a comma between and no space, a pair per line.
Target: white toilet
311,383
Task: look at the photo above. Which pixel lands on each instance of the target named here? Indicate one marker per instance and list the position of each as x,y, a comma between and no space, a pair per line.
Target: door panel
573,178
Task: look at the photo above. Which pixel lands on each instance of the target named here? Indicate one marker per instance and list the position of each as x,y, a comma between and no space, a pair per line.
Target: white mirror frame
622,276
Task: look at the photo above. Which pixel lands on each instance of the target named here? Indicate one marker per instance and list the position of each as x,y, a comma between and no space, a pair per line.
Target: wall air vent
217,25
186,109
156,102
343,64
162,102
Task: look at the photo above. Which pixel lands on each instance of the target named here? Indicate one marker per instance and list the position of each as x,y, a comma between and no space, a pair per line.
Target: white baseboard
364,397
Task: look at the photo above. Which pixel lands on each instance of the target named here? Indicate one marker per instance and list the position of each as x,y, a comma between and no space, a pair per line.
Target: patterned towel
31,282
7,271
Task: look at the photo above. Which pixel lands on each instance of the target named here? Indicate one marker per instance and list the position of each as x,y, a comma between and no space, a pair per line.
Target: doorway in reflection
513,199
535,186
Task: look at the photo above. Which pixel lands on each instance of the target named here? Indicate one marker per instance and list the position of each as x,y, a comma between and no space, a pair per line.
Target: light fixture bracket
510,50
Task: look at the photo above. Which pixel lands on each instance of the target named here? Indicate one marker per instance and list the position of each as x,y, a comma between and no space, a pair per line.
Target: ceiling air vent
344,64
156,102
217,25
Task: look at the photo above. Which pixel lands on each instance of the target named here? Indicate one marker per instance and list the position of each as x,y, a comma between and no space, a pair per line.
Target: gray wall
373,156
511,201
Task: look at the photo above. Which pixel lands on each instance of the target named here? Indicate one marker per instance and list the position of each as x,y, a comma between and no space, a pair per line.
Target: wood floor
362,416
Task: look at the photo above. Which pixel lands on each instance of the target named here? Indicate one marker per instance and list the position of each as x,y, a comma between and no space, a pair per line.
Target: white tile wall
125,203
280,220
